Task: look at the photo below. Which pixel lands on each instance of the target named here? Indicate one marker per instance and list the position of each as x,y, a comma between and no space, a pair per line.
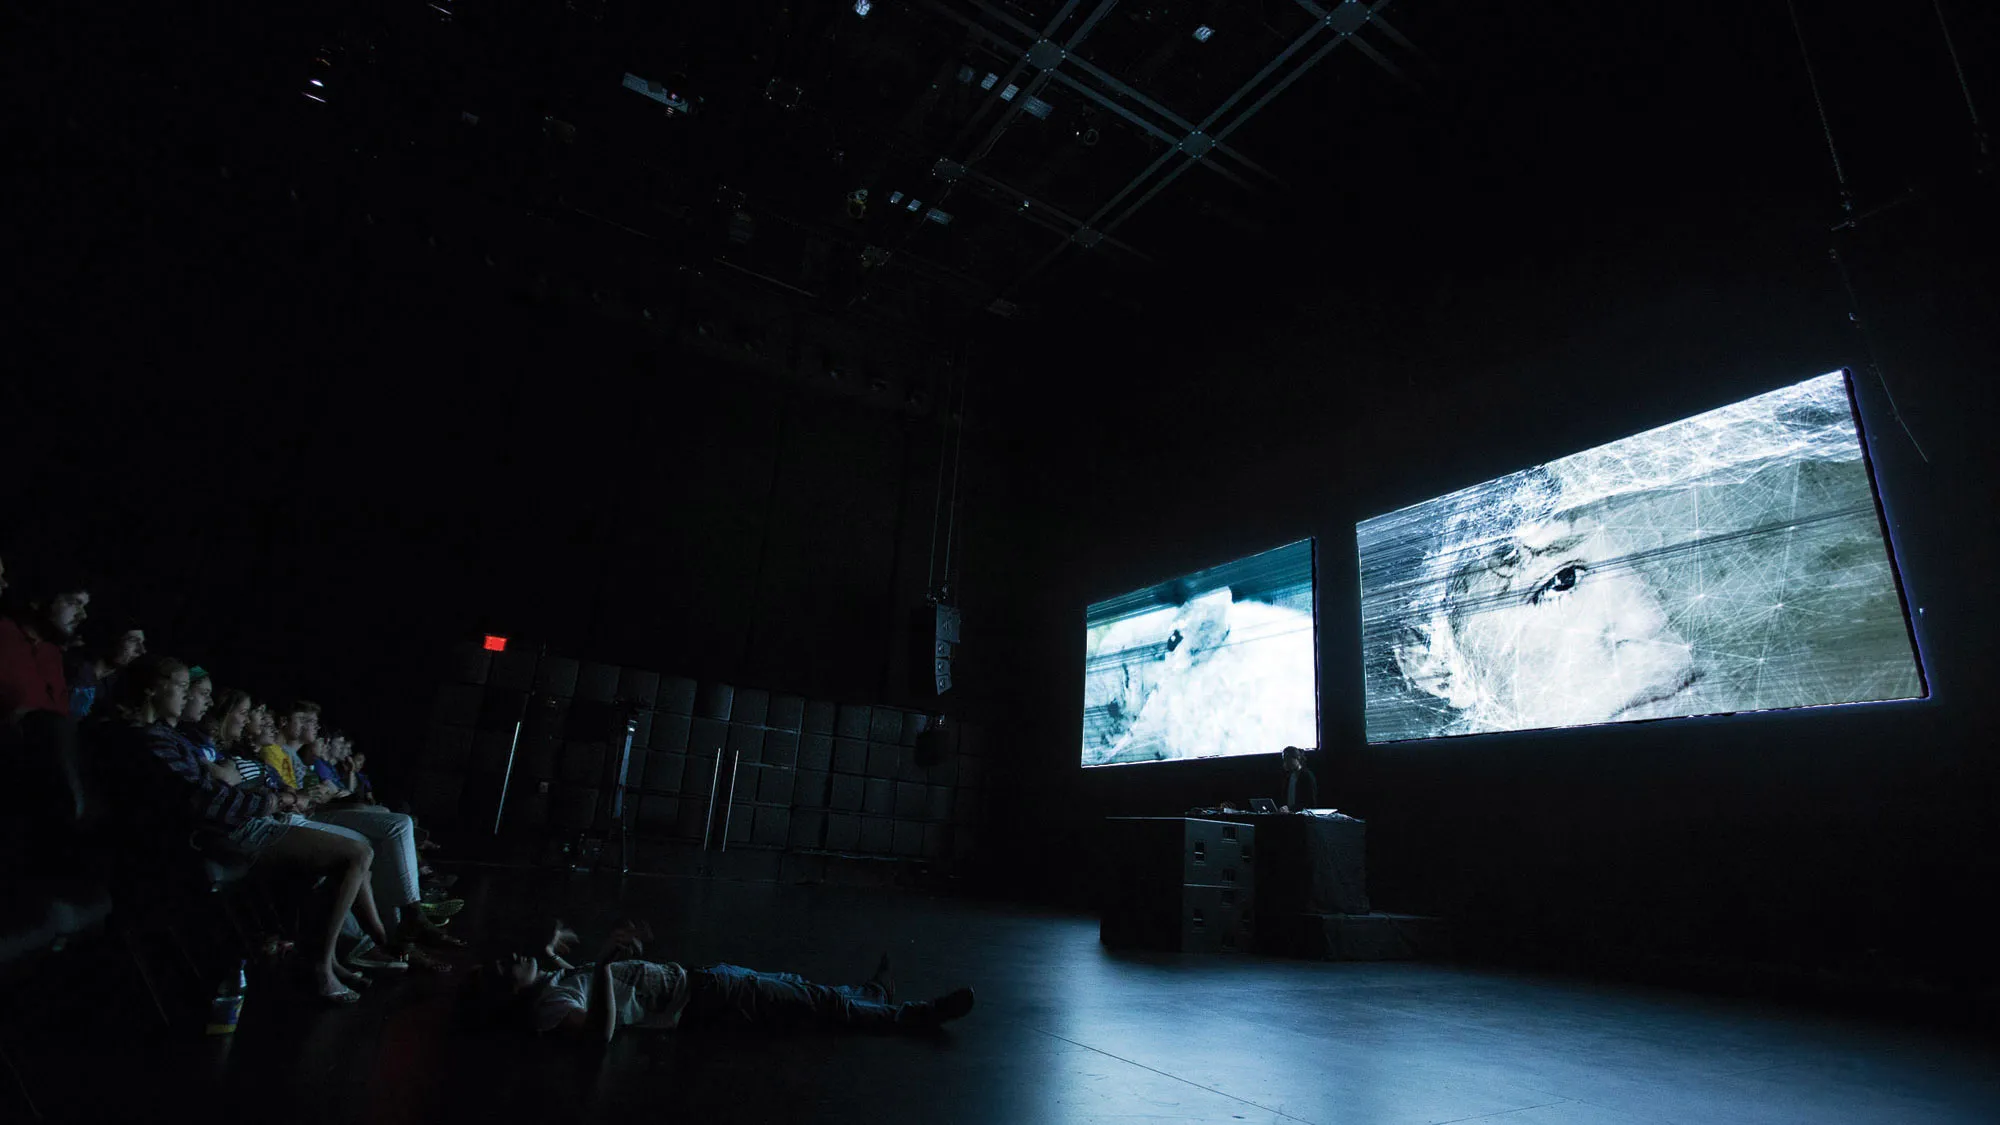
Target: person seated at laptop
1301,787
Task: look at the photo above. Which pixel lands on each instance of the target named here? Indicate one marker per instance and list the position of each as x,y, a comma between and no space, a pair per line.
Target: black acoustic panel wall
701,776
469,663
514,669
639,687
907,838
547,716
907,768
808,829
772,827
693,817
676,695
878,797
746,741
877,835
489,753
885,725
787,712
593,720
843,832
715,701
659,816
447,749
556,675
914,724
752,706
527,811
910,800
435,796
937,802
809,789
884,758
670,732
775,786
937,841
945,772
972,741
457,705
663,772
852,721
597,682
502,708
781,748
538,760
742,818
971,773
820,717
847,793
706,737
572,808
816,752
642,733
850,755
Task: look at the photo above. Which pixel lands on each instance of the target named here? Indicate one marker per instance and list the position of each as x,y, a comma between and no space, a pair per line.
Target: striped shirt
213,802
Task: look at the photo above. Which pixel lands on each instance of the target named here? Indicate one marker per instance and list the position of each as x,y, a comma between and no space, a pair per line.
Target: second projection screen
1214,664
1733,561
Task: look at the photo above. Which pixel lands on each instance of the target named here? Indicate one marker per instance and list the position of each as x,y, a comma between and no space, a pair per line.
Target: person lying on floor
622,989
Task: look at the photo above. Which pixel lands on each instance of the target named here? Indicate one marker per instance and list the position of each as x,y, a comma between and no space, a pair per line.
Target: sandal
440,912
351,977
340,994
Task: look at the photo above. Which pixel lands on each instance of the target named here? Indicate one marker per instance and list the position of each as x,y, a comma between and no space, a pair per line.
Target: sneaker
884,981
441,911
953,1005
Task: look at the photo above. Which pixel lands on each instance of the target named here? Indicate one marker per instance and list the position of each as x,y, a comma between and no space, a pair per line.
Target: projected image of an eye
1732,561
1559,583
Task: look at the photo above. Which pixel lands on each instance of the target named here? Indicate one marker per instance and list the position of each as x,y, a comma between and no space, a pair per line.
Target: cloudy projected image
1733,561
1218,663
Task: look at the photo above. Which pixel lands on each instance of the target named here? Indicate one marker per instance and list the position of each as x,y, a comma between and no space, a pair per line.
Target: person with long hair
218,818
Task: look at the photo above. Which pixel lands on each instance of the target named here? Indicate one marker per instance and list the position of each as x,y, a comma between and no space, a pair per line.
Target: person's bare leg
340,858
365,912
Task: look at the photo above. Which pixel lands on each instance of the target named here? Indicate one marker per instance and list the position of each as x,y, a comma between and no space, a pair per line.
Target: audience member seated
169,794
36,621
91,668
397,876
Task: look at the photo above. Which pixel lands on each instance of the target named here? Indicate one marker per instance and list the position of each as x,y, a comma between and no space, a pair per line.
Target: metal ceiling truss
1188,143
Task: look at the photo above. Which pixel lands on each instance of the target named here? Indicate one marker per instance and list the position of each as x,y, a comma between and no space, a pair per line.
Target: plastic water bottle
227,1007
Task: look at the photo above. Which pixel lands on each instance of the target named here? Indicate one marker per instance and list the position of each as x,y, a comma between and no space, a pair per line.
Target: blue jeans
733,996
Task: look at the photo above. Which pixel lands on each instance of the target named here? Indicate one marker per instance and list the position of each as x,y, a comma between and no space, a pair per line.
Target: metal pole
508,777
714,784
730,808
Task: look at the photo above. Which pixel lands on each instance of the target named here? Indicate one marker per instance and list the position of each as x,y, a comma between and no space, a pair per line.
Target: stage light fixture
1202,33
987,82
1007,95
495,644
862,8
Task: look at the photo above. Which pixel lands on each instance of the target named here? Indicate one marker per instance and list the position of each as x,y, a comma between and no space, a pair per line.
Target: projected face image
1733,561
1567,636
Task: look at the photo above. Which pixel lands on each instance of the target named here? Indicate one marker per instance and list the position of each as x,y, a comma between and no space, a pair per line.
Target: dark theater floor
1065,1031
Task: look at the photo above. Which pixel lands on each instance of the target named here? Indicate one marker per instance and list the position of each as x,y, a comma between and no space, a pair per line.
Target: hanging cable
1978,127
937,495
957,459
1833,249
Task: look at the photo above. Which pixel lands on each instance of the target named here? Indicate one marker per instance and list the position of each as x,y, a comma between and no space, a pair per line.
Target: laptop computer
1263,805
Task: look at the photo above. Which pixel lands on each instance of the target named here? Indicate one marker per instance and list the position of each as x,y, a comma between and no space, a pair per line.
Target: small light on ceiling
987,82
914,204
895,197
315,82
1202,33
1007,95
965,75
314,96
939,216
862,7
1036,107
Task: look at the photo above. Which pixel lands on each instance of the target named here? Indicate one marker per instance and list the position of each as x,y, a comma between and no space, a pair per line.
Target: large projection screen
1734,561
1218,663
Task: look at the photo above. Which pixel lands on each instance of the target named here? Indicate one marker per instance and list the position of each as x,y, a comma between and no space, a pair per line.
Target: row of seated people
191,771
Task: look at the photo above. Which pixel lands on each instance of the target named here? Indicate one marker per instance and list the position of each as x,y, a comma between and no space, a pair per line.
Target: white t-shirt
644,994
